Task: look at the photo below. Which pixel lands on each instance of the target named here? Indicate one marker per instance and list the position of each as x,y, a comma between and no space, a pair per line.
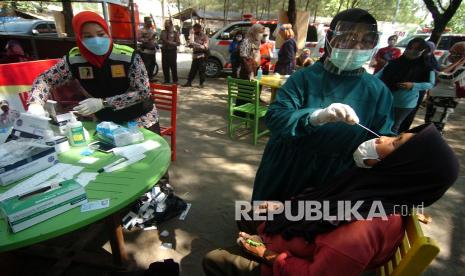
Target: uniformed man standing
169,45
199,44
148,46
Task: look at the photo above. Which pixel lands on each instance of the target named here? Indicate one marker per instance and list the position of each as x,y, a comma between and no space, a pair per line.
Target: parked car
218,60
29,27
446,41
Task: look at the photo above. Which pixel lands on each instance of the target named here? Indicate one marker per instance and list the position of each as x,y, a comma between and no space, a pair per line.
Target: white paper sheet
86,177
137,149
59,171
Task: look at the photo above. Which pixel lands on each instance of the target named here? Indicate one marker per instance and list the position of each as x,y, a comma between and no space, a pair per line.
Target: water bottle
259,73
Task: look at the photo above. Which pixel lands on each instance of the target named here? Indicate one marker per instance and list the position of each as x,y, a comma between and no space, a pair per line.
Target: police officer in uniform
114,78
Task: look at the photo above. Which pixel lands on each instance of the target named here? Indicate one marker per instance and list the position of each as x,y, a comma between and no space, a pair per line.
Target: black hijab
407,70
351,15
418,172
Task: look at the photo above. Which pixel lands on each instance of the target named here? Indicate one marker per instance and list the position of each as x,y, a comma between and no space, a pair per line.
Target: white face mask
366,150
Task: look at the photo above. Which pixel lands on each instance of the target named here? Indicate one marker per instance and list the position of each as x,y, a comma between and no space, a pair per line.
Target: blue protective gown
300,155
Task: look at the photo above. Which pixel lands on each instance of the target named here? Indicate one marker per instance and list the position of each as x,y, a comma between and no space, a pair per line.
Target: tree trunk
340,6
68,14
163,11
178,4
314,14
242,8
256,8
269,8
226,8
306,5
292,12
441,19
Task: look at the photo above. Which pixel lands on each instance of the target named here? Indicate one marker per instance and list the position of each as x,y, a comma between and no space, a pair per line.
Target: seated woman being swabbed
403,174
370,152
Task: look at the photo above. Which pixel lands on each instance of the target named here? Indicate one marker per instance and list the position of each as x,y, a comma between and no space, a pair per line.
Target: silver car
36,27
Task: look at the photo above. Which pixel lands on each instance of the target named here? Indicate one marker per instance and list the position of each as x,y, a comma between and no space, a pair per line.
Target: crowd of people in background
410,76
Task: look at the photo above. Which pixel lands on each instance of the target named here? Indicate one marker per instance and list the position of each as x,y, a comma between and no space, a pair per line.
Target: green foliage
457,23
29,6
382,9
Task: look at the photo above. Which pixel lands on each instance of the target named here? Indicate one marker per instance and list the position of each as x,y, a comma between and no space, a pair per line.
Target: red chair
166,98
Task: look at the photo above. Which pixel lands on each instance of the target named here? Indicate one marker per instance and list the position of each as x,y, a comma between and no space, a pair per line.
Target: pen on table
121,160
127,162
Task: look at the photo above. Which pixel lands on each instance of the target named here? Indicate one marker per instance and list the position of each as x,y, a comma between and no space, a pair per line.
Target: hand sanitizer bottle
76,134
259,73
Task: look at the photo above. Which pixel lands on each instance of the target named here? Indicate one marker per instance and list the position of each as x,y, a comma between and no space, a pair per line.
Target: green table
122,187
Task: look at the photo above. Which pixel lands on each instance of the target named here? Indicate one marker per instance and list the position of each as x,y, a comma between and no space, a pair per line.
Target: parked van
218,60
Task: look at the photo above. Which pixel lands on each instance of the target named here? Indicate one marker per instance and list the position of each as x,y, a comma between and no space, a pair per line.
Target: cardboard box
41,159
33,125
24,211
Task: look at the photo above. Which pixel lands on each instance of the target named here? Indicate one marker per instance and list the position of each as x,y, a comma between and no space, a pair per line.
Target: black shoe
201,85
187,84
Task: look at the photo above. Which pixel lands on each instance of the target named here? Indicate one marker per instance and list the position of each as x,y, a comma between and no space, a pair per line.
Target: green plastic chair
249,94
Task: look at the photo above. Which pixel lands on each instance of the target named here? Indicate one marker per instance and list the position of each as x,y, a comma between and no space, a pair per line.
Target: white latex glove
336,112
37,109
89,106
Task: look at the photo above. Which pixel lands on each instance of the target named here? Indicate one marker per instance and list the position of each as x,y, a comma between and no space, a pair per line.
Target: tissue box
41,159
118,135
24,211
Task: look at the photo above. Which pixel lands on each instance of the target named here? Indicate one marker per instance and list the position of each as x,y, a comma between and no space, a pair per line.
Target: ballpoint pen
107,167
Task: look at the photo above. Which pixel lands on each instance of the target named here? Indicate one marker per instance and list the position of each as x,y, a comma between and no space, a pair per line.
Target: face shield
352,44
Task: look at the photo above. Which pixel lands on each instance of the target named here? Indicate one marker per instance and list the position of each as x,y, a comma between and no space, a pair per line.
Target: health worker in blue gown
313,120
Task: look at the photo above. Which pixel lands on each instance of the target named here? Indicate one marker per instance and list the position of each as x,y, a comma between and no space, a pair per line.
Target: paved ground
212,171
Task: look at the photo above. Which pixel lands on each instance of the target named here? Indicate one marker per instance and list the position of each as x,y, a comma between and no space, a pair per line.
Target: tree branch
432,8
440,5
451,10
355,3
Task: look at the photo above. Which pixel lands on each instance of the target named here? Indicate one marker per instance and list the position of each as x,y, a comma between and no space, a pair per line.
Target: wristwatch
105,103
